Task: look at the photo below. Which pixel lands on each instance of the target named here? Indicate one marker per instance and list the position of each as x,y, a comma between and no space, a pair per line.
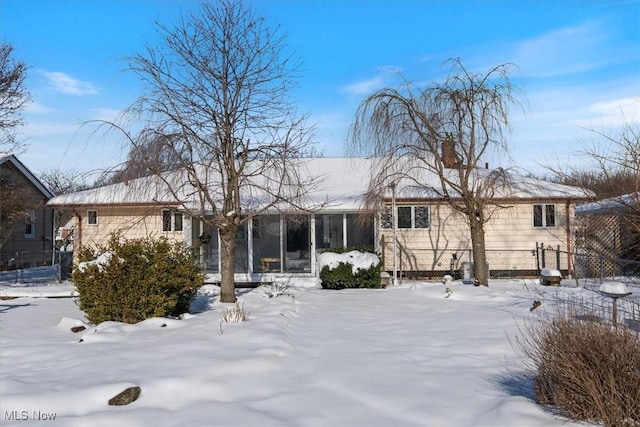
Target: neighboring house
608,237
428,232
25,218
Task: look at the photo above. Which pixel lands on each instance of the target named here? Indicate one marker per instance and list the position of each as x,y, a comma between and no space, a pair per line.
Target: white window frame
30,221
95,217
543,220
171,220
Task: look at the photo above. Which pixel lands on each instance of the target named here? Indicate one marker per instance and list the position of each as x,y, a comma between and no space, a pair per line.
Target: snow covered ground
402,356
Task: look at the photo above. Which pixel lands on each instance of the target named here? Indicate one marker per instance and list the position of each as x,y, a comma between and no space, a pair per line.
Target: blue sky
578,65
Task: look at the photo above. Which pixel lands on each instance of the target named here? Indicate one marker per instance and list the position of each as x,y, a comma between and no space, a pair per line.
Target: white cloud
36,108
560,52
563,51
107,114
68,85
614,112
560,122
365,87
48,128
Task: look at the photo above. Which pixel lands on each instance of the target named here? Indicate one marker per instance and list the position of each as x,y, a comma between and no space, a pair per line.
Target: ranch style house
430,238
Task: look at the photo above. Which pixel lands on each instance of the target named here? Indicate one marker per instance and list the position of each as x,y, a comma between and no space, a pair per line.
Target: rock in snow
125,397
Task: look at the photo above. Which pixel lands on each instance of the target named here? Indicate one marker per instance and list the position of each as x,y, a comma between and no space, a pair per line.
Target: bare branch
13,97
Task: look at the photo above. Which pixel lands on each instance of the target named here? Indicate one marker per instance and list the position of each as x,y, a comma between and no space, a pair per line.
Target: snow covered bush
340,269
132,280
587,368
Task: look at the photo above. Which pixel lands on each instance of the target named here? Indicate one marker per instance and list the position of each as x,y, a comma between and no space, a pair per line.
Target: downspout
77,236
44,235
53,237
568,230
395,236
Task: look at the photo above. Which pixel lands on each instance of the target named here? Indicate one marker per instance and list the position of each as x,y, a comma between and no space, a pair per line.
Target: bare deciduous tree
13,97
446,129
216,107
13,207
61,181
613,175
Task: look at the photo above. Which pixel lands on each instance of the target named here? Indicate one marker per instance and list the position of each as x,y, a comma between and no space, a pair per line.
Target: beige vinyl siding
131,222
509,229
513,228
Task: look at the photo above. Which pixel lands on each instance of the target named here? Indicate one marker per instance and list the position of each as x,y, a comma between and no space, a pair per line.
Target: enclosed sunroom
283,243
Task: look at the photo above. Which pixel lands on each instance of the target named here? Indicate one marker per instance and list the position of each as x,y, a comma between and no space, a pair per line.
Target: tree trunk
480,268
227,283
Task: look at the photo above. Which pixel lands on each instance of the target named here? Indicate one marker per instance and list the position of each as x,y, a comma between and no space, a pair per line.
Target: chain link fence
430,264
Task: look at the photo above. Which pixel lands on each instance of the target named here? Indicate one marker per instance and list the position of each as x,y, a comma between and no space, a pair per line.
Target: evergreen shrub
342,276
133,280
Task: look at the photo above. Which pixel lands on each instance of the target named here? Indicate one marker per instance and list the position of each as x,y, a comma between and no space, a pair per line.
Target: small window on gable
544,216
30,224
166,220
92,217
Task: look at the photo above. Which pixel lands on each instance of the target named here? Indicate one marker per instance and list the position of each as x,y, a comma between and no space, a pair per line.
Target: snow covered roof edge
344,179
609,206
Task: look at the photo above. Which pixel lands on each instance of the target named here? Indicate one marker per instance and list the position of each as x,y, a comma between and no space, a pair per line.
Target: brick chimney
449,153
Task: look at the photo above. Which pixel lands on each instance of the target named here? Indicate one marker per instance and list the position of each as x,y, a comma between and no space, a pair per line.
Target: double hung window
171,221
544,216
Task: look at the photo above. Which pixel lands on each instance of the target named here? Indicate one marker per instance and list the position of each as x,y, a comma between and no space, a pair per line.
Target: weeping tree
445,130
150,154
218,129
